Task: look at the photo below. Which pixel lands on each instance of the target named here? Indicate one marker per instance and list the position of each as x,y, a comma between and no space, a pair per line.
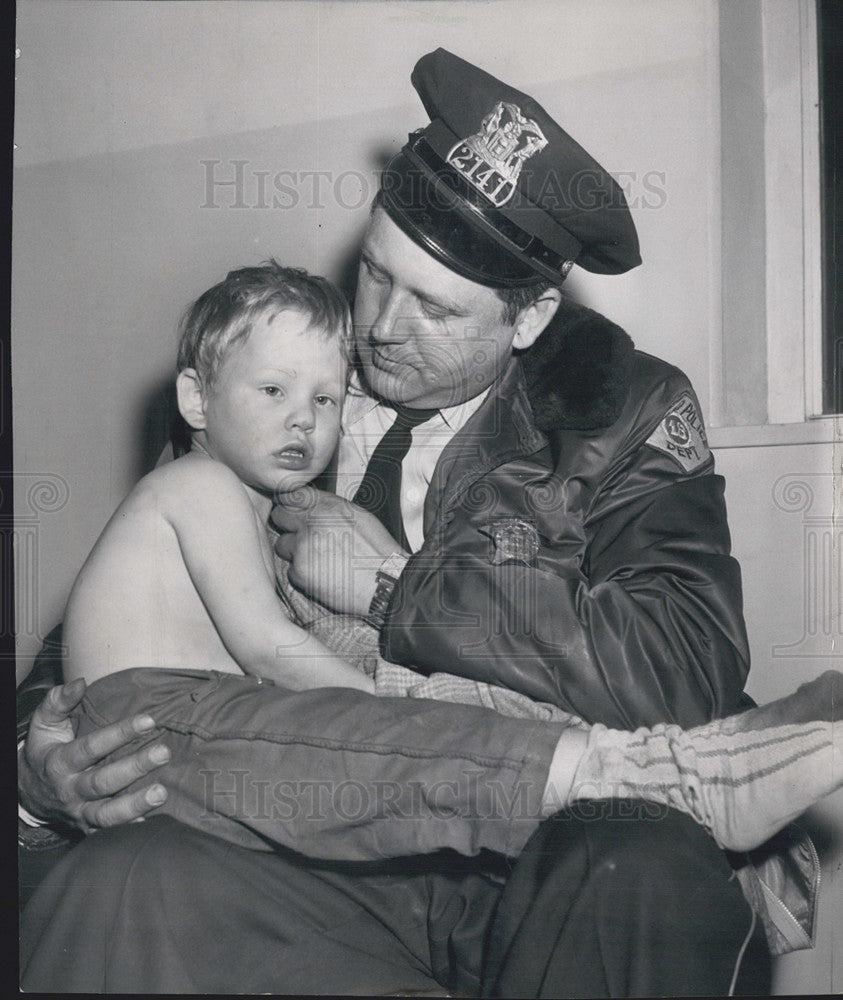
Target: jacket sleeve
628,612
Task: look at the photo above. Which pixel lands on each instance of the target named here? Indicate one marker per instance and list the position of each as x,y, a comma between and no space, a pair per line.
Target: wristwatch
386,578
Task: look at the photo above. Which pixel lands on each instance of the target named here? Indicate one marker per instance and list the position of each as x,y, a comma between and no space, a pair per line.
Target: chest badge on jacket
513,539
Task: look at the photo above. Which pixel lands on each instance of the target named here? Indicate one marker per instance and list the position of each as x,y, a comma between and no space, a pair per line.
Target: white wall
117,106
780,502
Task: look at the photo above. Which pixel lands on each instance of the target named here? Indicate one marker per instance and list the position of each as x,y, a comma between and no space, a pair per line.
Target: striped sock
741,784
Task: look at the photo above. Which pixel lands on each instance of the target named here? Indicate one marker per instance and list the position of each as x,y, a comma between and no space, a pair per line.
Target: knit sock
742,778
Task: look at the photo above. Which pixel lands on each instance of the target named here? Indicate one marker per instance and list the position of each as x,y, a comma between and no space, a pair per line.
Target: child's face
273,413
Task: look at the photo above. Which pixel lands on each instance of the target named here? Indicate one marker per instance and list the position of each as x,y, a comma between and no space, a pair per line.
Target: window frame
776,94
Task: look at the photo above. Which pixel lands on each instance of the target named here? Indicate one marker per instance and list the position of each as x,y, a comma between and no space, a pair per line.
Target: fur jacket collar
578,371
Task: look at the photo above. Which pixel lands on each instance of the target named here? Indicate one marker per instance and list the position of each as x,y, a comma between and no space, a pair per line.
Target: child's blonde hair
223,316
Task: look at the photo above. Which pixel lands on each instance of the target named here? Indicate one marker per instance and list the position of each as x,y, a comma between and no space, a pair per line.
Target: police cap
497,191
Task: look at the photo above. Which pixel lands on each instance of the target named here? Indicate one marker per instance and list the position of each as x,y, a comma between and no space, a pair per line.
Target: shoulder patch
681,435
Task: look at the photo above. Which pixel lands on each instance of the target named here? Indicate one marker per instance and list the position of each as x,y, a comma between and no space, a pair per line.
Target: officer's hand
58,776
334,548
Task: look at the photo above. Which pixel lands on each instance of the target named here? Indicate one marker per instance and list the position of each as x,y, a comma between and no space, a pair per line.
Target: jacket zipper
815,859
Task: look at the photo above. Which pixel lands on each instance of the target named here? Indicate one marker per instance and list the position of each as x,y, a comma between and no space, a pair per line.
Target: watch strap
386,578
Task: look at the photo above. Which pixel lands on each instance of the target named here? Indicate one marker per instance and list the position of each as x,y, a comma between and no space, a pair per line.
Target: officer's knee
640,845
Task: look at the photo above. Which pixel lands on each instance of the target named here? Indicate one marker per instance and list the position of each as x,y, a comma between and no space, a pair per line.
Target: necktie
380,489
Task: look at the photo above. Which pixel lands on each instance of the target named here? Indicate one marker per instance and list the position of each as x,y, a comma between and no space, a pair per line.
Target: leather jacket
576,546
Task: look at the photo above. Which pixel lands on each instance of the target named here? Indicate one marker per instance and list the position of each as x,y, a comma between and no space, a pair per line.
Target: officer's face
426,337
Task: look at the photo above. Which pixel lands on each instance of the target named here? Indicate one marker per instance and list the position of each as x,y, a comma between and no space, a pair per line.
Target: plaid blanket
356,641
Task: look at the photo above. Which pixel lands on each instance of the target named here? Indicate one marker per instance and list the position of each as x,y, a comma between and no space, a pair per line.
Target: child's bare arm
216,528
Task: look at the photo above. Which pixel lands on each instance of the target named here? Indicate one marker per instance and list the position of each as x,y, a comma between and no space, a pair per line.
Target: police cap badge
497,191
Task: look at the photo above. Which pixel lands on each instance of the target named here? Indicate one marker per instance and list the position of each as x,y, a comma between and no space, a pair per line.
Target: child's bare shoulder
187,485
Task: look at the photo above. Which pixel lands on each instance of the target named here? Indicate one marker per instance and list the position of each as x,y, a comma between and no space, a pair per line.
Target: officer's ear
534,318
191,398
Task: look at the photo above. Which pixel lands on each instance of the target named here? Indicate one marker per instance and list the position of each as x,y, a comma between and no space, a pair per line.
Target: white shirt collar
358,403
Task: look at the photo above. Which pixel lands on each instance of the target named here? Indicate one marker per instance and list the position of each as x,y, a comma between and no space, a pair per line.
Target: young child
183,574
175,613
